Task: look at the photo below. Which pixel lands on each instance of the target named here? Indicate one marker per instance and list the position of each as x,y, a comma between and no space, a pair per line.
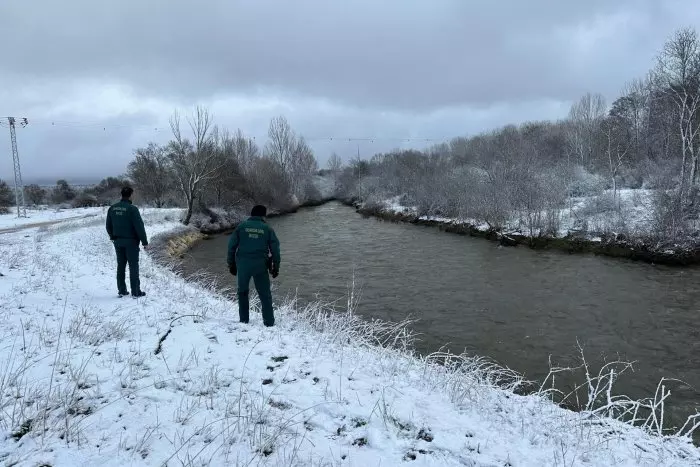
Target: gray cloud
393,69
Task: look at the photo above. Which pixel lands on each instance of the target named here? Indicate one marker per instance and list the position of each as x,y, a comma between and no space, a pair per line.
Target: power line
19,186
101,126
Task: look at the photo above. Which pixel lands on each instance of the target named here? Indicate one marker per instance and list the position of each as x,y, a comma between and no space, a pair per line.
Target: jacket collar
124,200
256,218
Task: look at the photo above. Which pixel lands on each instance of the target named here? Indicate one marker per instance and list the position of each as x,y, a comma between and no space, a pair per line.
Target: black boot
138,294
123,294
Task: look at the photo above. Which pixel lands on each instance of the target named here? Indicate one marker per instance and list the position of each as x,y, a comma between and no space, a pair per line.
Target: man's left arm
232,247
274,246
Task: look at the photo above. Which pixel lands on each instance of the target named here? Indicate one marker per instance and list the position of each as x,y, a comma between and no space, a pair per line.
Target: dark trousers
261,279
127,253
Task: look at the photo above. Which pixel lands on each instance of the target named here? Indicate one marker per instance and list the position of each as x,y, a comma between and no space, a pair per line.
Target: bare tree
335,163
586,116
633,110
618,143
281,144
245,150
678,77
150,172
291,154
194,163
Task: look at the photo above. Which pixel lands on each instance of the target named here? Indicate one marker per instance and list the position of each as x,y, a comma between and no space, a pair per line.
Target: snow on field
82,382
45,216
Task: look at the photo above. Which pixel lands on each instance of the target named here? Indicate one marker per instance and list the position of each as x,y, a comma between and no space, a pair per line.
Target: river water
514,305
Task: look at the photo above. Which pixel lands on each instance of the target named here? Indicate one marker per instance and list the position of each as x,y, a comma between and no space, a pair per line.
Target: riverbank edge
608,245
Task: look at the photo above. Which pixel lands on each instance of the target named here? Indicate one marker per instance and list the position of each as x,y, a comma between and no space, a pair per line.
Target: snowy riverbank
585,227
81,382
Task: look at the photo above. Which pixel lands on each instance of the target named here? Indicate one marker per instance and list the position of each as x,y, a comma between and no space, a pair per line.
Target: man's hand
233,269
146,247
272,268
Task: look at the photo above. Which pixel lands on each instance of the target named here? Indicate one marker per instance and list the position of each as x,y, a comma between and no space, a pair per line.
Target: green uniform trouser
256,270
127,253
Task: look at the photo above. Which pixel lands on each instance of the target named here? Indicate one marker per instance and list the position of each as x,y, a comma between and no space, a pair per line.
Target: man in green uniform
249,250
126,230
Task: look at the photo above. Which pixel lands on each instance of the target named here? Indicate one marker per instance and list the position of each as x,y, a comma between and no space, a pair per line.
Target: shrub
85,200
584,183
35,194
7,197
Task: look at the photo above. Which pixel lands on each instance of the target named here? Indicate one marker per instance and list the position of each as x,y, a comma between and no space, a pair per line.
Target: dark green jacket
124,223
252,241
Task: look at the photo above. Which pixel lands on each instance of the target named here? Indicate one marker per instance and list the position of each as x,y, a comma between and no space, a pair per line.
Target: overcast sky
98,78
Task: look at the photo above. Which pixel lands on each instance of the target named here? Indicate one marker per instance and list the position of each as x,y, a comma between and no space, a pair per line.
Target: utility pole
19,187
359,172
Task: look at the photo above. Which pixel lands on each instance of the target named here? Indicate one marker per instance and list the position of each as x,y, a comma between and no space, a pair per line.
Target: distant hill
77,181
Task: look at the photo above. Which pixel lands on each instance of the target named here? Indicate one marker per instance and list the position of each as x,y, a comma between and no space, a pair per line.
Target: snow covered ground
596,213
82,382
45,216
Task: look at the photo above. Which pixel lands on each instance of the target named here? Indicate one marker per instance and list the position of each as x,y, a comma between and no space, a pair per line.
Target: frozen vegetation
173,379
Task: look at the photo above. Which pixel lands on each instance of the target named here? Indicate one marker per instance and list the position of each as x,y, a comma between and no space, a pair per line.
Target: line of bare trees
212,167
649,137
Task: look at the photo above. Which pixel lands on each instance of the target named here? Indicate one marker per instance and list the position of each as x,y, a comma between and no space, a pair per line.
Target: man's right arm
108,225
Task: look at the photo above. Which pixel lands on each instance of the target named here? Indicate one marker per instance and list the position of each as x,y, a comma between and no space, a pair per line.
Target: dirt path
19,228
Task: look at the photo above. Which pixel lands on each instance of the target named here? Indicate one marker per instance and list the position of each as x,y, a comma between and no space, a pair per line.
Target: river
514,305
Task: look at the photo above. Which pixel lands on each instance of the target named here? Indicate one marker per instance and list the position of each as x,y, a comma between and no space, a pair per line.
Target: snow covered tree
677,76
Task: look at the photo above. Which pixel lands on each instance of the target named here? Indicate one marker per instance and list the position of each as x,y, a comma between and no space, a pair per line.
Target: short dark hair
259,211
127,191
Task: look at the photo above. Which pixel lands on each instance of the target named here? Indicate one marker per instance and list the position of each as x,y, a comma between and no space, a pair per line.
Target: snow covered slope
172,379
37,217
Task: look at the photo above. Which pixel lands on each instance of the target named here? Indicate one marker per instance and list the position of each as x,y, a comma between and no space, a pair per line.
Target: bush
34,194
669,221
661,174
85,200
596,205
584,183
62,192
630,177
311,192
7,197
211,220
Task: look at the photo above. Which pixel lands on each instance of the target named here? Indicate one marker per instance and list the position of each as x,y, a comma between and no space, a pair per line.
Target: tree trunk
188,216
694,169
